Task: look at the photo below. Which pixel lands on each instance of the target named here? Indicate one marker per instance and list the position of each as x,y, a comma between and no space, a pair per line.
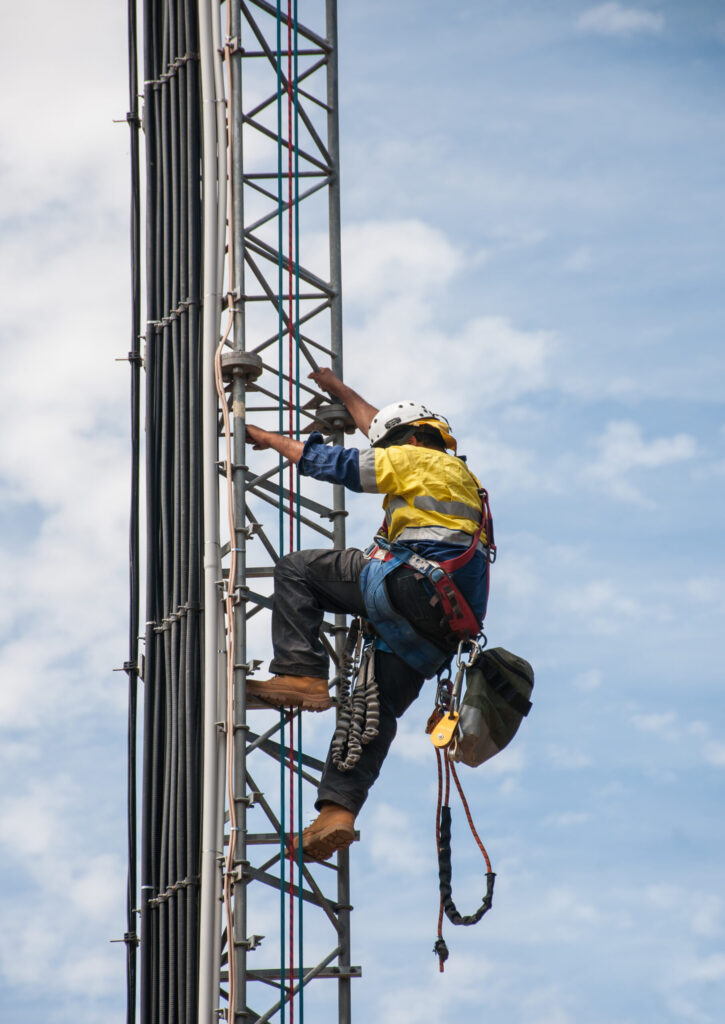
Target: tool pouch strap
445,873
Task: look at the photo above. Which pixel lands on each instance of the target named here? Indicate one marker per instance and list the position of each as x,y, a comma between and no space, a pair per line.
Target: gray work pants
309,583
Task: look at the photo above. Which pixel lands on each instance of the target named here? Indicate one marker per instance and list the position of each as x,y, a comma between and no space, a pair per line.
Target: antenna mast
240,118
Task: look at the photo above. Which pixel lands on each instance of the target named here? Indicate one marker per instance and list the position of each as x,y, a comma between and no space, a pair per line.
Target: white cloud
431,1000
49,837
614,19
60,143
623,449
661,723
517,235
565,904
715,754
589,680
411,743
392,841
567,757
566,819
547,1004
706,916
510,761
601,606
709,968
396,305
384,259
704,589
673,727
64,400
663,896
64,483
579,260
517,578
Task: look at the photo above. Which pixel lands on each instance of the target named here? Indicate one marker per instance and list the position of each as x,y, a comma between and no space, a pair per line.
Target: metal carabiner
459,652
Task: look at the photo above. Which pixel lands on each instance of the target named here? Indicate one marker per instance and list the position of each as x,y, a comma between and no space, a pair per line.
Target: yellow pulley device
445,729
443,723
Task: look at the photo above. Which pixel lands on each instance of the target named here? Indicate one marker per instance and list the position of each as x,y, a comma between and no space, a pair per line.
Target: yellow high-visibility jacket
429,494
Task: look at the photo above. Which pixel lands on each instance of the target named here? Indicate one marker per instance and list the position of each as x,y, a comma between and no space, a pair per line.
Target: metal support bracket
242,364
331,417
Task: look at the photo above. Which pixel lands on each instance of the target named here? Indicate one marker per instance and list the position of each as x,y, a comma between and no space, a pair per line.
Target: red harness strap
456,609
453,564
458,613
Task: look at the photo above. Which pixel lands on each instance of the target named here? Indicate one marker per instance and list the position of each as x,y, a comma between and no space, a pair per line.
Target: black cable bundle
171,816
131,666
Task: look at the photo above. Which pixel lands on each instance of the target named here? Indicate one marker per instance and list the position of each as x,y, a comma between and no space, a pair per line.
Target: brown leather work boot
303,692
333,829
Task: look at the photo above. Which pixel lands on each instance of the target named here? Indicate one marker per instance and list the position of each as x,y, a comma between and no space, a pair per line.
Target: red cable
290,848
290,245
290,317
481,847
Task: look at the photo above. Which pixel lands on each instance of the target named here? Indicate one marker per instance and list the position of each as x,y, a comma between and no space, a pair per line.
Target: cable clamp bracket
238,874
134,358
131,668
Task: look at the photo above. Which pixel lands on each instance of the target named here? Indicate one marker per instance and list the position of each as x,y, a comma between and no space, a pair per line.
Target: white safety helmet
399,414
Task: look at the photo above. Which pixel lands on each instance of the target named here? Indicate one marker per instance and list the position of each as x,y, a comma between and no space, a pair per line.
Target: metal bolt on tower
243,301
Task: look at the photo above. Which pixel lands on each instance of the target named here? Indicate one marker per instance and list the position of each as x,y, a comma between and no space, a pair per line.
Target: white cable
212,811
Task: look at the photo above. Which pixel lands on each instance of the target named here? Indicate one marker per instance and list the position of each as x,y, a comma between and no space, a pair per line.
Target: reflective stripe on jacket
429,494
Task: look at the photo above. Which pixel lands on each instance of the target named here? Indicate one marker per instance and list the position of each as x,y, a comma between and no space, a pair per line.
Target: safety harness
395,633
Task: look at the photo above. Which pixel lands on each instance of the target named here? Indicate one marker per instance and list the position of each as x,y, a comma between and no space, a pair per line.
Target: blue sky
533,222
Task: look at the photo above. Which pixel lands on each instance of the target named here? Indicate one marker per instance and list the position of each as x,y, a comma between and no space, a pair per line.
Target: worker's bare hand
327,380
255,435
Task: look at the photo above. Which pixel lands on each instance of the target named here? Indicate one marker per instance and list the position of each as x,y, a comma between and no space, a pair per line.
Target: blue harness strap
398,636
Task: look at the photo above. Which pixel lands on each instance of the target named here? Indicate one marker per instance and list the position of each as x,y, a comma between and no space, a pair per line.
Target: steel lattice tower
243,296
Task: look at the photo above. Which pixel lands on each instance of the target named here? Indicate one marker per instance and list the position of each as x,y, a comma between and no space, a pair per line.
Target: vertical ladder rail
256,376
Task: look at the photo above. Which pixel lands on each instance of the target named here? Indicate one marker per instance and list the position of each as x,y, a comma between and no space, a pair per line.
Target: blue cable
280,324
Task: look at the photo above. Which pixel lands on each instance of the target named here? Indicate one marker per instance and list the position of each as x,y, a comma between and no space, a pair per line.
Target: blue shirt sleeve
330,462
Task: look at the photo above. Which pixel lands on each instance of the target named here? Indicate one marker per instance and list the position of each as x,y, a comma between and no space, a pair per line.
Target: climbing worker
434,516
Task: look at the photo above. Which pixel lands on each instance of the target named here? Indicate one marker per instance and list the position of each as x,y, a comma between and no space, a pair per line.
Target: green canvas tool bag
498,688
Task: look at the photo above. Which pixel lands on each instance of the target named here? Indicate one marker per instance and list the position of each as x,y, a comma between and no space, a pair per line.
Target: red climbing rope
481,847
290,405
